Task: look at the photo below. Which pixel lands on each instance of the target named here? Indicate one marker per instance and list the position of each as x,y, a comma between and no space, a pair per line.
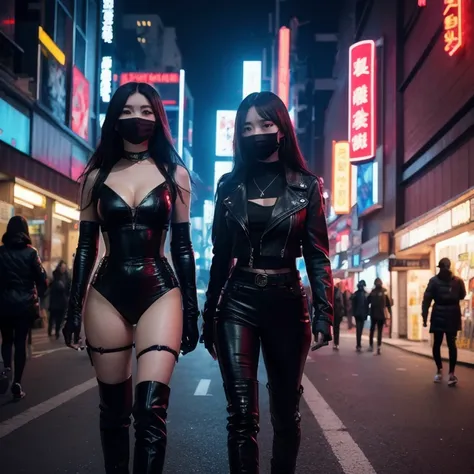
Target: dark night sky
214,38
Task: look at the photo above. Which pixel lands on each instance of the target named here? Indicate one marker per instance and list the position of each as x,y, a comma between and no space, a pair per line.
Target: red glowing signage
284,64
422,3
80,104
452,25
151,78
362,101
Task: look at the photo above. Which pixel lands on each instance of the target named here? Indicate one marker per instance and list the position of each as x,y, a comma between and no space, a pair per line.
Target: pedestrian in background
447,291
22,280
338,312
380,311
58,298
360,309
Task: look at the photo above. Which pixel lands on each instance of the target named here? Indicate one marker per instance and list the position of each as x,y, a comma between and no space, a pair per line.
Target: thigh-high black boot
150,412
243,426
115,411
286,418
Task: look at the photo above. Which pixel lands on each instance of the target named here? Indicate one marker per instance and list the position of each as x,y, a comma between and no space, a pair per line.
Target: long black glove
318,265
86,255
185,266
219,272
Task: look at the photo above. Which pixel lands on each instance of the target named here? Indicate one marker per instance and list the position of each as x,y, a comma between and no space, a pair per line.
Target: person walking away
446,290
360,309
58,298
338,313
348,310
380,305
22,280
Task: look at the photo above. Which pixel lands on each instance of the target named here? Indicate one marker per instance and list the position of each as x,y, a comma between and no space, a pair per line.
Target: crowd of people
269,212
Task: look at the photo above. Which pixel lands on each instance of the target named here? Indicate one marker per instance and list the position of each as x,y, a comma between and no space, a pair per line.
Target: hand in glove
184,264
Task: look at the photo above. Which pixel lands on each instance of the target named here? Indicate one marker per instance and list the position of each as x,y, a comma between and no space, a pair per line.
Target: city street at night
361,414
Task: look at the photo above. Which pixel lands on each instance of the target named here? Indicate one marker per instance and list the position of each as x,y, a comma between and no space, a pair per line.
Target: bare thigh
105,327
161,324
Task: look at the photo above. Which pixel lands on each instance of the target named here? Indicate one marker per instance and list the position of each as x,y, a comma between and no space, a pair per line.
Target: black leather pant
274,317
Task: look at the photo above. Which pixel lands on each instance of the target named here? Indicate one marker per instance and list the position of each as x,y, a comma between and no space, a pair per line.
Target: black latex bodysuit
134,274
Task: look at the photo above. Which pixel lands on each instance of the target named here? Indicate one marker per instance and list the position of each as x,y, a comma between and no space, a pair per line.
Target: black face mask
135,130
259,147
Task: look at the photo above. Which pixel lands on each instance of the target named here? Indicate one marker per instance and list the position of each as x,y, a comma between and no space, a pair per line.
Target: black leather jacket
22,280
297,228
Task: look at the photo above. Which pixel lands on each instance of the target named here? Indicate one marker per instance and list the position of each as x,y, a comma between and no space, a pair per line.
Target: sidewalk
465,357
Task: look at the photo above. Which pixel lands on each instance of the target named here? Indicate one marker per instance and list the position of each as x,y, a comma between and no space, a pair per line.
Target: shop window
80,14
48,18
63,29
68,5
80,52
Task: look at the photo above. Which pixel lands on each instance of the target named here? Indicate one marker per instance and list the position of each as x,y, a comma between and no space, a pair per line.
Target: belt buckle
261,280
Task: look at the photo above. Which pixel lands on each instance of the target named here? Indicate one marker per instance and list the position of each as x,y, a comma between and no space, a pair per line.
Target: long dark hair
17,234
110,149
270,107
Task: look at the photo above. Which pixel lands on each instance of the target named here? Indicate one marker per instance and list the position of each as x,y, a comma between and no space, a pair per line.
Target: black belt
263,280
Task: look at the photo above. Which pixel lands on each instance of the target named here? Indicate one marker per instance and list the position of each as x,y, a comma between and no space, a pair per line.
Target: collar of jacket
293,199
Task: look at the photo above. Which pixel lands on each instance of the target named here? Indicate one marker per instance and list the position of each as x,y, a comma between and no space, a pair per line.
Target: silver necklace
137,157
262,191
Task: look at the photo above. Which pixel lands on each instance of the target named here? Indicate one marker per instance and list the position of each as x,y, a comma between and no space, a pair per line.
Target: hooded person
446,291
360,310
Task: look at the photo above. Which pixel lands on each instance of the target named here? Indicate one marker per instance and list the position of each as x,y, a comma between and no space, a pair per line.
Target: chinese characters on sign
108,21
362,101
341,178
150,77
452,25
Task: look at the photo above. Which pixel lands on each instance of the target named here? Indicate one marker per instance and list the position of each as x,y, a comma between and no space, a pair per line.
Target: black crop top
269,179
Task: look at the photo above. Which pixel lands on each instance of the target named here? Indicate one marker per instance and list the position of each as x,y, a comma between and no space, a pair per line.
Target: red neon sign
422,3
362,101
150,77
284,64
452,25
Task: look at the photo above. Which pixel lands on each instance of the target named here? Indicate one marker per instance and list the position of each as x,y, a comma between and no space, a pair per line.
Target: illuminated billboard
80,104
341,178
284,65
362,101
221,168
225,124
252,78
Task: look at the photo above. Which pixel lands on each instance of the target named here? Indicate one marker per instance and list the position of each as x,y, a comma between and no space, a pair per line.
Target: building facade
48,116
421,182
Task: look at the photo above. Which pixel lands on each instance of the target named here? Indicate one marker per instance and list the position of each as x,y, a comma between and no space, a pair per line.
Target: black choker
137,157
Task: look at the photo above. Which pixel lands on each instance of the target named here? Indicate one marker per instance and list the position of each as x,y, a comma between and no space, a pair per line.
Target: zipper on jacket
133,210
287,237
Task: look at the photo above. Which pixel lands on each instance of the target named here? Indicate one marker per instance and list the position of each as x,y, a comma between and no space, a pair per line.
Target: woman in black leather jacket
22,281
135,187
269,211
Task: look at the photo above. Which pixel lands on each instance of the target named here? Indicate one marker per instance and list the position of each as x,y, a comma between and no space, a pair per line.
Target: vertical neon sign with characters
452,20
362,101
106,64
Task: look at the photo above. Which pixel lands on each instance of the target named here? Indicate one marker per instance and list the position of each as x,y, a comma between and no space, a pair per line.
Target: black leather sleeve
86,254
221,260
39,274
318,265
184,264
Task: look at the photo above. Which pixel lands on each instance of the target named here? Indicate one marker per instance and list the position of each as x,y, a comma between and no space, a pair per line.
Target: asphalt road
362,414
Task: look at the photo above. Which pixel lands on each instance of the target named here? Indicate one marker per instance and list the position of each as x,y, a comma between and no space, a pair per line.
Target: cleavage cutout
144,197
264,202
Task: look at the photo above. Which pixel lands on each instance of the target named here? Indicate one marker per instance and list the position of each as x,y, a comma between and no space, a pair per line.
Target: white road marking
355,375
350,456
37,354
401,369
12,424
202,388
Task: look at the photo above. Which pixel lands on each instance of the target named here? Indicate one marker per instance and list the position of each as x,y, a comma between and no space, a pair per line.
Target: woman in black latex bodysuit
133,187
268,209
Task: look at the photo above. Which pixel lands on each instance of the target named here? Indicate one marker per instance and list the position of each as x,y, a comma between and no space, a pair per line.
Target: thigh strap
102,350
159,348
